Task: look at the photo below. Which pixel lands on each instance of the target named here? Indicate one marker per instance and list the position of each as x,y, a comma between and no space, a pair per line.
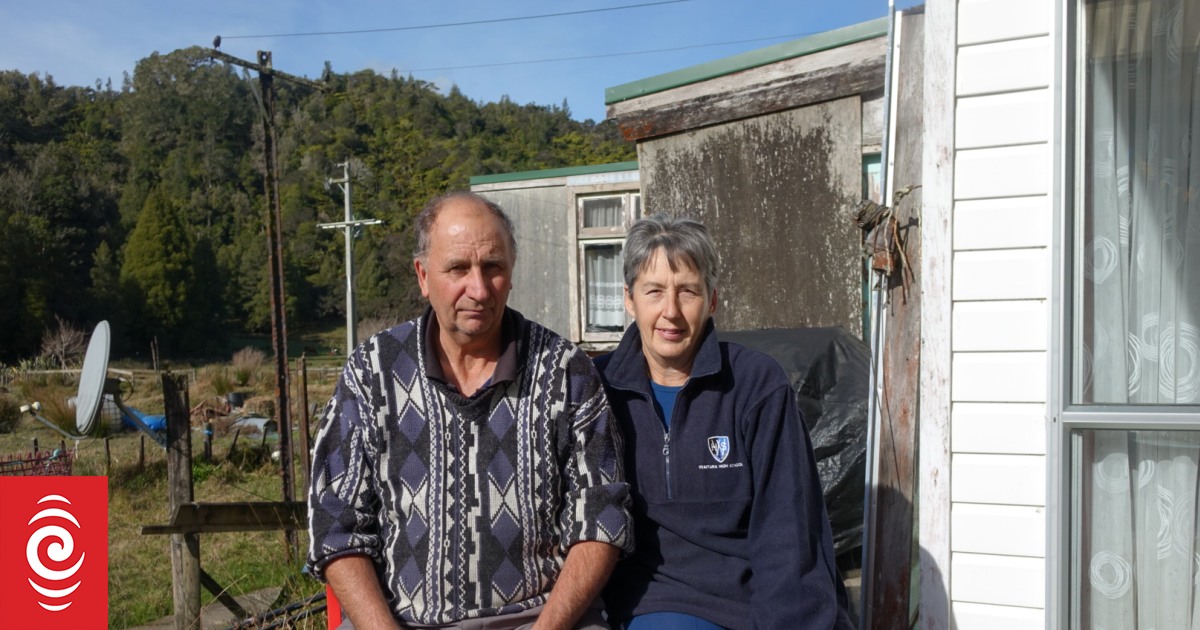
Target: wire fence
56,463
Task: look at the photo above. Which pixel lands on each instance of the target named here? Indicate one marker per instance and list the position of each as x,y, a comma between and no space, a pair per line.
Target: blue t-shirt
664,400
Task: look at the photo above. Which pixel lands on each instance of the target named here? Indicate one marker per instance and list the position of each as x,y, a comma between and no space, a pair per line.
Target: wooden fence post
185,548
306,461
233,445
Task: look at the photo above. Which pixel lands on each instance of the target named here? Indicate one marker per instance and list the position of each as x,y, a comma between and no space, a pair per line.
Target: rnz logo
60,550
54,545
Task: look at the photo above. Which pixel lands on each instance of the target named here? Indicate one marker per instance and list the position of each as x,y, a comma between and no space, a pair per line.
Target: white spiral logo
60,549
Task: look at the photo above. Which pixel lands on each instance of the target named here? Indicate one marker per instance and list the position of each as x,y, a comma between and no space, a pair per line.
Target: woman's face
670,308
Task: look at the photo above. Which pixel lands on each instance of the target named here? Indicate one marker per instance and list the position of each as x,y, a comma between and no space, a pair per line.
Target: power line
603,55
450,24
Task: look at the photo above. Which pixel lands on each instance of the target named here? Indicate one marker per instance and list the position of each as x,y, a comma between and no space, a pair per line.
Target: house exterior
570,226
1056,394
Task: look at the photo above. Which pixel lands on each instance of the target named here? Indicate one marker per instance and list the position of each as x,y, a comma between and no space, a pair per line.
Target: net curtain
1137,317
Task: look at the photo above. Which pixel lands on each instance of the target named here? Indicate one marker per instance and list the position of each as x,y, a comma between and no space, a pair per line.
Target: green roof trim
751,59
568,171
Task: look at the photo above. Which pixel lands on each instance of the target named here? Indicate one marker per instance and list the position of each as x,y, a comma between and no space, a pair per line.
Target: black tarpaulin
829,369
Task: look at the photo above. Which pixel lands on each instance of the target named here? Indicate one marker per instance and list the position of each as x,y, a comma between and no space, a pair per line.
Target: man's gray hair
428,216
681,238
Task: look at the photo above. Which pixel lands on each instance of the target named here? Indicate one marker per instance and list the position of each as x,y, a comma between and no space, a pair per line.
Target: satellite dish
94,386
92,379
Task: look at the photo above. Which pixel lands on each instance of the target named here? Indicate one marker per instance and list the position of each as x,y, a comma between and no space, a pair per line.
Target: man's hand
584,573
357,588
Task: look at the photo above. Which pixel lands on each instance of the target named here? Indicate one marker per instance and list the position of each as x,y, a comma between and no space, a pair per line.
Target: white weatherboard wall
1001,279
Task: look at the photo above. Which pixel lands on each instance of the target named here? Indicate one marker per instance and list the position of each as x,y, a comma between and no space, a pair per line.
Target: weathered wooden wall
541,280
778,194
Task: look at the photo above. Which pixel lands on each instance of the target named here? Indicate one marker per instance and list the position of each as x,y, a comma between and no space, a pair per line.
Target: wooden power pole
274,223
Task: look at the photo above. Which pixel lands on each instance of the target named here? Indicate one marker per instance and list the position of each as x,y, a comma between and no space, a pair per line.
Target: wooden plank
840,72
971,616
1006,274
872,120
1002,172
1007,530
1000,326
208,518
185,548
999,479
982,21
222,595
1001,428
1000,580
1006,223
1022,64
891,582
996,120
764,74
999,377
937,164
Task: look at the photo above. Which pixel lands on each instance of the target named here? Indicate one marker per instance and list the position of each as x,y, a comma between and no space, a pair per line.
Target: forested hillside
143,204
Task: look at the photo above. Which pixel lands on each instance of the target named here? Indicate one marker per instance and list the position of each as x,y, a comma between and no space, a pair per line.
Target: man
730,521
467,473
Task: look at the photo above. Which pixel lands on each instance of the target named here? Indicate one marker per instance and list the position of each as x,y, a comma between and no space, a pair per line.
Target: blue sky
79,41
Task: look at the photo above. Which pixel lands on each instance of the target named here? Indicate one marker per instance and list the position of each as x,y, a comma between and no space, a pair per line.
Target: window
1131,394
603,218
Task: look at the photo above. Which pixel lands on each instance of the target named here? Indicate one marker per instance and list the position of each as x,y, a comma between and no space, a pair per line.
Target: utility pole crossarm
356,223
213,53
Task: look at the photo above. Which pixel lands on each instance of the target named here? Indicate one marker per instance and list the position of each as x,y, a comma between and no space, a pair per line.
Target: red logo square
54,552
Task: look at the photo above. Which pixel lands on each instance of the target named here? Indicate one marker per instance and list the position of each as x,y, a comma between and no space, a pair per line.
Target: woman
730,525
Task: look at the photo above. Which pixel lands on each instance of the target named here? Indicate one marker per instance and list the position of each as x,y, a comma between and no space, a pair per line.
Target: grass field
139,566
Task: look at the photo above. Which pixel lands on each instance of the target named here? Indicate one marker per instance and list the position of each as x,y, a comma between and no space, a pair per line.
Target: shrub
245,363
62,346
220,382
10,414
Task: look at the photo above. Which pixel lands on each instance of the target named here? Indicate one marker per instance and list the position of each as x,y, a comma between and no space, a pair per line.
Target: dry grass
246,364
139,566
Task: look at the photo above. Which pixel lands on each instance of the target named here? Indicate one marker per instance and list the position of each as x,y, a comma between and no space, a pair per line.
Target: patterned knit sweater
467,506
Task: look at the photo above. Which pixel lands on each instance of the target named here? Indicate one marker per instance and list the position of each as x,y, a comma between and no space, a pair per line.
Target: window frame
1065,416
631,196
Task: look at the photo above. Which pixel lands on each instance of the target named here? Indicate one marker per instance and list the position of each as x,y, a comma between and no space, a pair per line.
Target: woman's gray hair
681,238
429,214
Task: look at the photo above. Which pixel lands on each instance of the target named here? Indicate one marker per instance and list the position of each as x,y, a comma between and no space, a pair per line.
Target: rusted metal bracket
883,245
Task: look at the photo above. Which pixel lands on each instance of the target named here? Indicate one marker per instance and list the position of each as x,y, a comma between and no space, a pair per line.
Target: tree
64,344
157,277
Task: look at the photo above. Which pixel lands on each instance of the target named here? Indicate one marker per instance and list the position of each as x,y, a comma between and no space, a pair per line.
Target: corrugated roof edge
554,172
751,59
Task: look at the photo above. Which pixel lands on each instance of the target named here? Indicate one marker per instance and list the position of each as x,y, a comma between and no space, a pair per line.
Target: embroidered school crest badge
718,447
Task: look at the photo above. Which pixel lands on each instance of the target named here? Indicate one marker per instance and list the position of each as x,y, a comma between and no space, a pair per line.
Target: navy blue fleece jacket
730,524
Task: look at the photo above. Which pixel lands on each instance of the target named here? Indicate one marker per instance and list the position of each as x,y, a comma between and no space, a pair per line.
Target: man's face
670,309
467,273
